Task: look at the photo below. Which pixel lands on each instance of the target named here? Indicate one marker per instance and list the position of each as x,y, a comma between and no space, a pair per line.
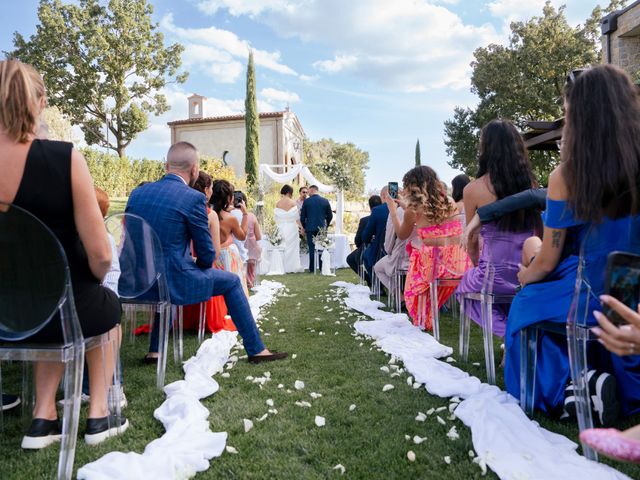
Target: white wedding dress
286,220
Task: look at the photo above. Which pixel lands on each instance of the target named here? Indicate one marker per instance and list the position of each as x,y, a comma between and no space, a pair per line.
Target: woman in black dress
51,180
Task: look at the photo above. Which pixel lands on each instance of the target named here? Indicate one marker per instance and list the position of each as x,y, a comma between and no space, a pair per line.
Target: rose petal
447,460
230,449
320,422
299,384
418,440
441,421
352,407
388,387
411,456
269,402
248,425
340,468
410,380
262,418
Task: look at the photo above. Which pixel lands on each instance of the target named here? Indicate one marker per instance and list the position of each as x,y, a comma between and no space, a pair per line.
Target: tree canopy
340,164
252,127
103,65
524,81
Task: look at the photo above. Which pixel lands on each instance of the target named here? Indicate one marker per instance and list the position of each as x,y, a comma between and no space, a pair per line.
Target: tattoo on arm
555,238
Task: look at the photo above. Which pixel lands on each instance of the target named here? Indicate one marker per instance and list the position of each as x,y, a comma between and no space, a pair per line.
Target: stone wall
625,41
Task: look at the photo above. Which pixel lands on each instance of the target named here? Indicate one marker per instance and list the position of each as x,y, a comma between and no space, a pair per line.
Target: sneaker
99,429
84,398
41,434
118,390
9,402
603,389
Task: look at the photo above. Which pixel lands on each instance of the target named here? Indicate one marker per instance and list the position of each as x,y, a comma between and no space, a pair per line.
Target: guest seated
231,229
373,236
354,259
591,202
427,207
503,170
623,341
182,220
237,212
397,257
458,184
51,180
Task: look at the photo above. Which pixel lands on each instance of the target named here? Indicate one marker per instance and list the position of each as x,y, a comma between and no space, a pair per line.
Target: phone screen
623,282
237,199
393,189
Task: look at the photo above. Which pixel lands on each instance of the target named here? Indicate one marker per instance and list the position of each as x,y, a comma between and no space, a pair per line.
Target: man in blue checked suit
178,214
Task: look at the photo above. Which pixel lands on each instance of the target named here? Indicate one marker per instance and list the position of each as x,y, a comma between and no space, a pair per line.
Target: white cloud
240,7
275,95
219,53
406,45
512,10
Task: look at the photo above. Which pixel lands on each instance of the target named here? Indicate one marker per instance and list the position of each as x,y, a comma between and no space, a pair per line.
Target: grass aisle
368,441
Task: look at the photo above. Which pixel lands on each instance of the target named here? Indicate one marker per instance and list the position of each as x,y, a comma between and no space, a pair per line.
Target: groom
315,214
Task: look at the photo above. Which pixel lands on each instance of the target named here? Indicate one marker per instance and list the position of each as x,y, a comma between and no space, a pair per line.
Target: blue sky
378,73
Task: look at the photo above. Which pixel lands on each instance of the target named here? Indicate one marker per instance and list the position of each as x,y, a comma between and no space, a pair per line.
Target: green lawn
369,441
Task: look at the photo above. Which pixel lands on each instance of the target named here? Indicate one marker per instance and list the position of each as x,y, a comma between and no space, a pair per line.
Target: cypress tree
252,127
418,153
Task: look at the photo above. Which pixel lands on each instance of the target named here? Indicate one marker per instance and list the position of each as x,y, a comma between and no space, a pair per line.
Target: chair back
450,260
141,258
35,282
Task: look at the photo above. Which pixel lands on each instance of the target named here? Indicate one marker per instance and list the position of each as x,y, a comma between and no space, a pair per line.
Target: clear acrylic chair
35,288
450,261
589,285
143,283
397,286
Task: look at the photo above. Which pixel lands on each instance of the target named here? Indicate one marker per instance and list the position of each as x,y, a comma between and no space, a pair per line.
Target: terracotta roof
226,118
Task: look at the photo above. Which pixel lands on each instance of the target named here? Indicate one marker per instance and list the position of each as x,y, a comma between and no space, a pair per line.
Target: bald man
178,215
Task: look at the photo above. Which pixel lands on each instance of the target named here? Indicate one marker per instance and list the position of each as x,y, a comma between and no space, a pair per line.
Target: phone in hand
393,190
237,198
623,283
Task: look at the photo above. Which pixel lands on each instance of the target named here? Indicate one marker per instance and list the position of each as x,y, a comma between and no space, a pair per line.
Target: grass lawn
369,441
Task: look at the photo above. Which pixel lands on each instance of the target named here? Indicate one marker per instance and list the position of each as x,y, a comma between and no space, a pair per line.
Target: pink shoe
611,443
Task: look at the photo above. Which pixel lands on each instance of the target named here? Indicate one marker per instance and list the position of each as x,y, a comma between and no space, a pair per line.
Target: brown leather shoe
268,358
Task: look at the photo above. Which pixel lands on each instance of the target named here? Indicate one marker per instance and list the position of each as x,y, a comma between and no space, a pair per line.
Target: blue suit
315,214
178,215
374,235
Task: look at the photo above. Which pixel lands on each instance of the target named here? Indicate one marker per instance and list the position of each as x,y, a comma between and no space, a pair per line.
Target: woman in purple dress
504,169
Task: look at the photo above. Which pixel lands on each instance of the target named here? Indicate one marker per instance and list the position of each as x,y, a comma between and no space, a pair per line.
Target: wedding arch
292,171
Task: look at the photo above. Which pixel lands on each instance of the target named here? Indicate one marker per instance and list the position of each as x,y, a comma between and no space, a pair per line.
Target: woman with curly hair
428,207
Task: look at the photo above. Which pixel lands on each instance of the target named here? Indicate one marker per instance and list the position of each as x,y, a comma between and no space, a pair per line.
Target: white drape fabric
292,172
325,256
508,442
188,444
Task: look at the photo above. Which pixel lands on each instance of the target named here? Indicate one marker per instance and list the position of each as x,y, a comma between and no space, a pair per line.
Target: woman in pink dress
433,213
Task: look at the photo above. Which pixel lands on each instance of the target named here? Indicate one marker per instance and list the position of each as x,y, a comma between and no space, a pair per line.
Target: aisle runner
188,444
503,436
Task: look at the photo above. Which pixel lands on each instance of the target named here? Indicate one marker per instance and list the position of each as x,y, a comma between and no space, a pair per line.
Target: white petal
452,434
280,385
230,449
315,395
455,400
410,380
319,421
421,417
441,421
430,411
395,374
249,378
281,330
472,454
269,402
248,425
341,468
262,418
411,456
440,409
299,384
416,385
294,356
303,404
407,437
352,407
385,369
267,374
476,364
450,360
387,387
447,460
225,375
418,440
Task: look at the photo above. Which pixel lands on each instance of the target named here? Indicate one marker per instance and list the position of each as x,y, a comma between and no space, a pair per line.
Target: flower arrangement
321,239
273,232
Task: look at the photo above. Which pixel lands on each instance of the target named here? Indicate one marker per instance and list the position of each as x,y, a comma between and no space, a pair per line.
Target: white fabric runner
510,443
292,172
188,444
325,257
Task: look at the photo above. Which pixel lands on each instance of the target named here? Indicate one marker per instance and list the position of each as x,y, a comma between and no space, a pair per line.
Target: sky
378,73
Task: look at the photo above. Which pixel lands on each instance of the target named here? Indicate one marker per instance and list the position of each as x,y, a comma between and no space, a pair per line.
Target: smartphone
393,190
237,198
623,283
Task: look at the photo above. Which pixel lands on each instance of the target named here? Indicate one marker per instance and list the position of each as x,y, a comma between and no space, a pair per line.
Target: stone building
281,136
621,39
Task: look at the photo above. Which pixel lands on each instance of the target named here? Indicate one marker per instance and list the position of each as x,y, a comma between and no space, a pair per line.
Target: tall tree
418,162
102,65
524,81
252,127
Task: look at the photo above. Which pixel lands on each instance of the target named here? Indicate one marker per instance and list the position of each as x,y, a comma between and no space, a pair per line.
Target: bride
287,219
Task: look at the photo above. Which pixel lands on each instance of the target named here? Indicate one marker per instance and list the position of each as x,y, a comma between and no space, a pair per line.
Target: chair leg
464,332
435,314
577,342
71,411
487,332
164,311
178,353
201,322
528,362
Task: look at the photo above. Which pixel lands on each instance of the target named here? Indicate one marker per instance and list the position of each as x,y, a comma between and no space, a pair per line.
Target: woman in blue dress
592,205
